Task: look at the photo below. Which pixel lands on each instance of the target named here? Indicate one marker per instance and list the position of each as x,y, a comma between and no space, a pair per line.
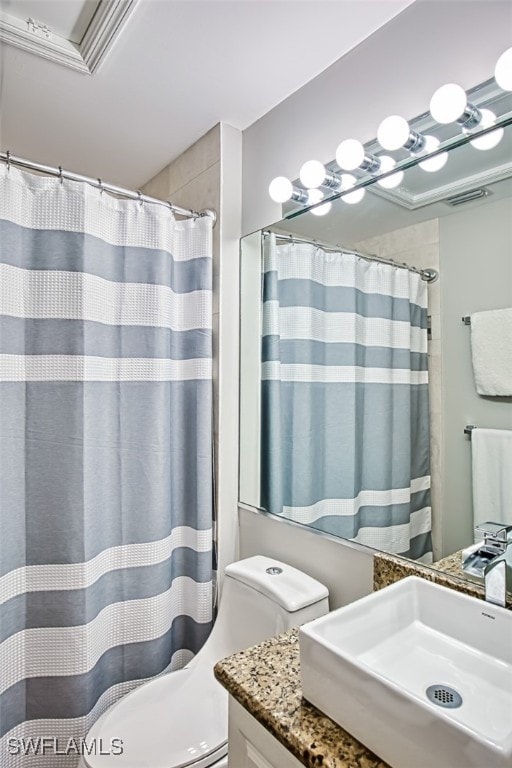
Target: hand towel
491,350
491,451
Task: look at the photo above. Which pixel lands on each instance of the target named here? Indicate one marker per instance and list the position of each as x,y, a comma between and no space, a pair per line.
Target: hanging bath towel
491,350
491,451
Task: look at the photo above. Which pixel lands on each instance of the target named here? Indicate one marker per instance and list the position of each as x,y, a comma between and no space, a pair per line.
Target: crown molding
413,200
86,57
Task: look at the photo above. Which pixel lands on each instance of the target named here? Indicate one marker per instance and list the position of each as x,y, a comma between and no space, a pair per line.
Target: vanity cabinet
252,746
266,699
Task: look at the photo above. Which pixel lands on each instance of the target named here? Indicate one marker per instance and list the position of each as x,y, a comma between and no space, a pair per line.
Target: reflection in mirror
357,377
344,379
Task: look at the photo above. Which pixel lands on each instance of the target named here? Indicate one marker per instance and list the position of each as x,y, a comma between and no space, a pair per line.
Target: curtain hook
100,185
61,177
139,196
8,160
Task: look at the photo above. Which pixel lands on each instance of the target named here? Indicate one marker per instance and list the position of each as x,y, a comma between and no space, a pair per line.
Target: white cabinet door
252,746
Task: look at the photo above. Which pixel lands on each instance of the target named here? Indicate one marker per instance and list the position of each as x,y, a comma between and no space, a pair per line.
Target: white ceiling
178,68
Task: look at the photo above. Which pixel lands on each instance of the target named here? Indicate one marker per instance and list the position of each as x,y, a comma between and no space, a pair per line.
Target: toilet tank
263,597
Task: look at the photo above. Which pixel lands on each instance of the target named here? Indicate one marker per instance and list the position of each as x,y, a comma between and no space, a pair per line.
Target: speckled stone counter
387,569
265,680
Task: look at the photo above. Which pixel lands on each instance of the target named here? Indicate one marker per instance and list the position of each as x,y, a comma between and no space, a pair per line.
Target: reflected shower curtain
345,426
105,454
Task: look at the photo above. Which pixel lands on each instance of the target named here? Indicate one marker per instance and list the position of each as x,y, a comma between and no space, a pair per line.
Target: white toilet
181,719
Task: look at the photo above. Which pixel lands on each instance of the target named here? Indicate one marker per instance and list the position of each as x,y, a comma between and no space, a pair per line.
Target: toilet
180,719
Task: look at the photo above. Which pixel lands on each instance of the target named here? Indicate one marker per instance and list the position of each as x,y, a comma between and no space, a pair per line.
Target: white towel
491,451
491,350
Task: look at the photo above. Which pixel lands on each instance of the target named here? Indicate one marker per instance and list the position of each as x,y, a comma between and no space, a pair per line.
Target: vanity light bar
449,104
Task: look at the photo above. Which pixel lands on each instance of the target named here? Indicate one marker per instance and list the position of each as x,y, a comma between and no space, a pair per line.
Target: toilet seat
174,721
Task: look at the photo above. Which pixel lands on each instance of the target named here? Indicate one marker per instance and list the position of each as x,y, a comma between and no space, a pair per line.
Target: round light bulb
350,154
312,174
503,70
490,140
280,189
347,182
448,103
314,196
393,132
434,163
386,164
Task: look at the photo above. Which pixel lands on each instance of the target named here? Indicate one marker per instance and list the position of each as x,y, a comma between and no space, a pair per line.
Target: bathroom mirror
457,221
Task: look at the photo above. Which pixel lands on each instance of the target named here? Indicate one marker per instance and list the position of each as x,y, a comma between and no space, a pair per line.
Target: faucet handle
495,534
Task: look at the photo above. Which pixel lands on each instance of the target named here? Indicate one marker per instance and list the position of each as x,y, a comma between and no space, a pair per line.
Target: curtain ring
100,185
139,196
61,177
8,160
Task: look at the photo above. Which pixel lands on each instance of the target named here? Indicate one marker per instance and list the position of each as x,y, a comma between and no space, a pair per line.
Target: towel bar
466,319
468,429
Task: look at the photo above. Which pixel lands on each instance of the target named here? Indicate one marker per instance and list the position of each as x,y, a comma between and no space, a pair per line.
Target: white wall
396,70
345,568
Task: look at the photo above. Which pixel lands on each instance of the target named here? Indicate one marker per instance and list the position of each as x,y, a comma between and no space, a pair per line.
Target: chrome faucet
498,571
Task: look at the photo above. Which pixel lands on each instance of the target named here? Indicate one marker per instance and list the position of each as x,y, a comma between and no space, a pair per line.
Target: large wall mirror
358,386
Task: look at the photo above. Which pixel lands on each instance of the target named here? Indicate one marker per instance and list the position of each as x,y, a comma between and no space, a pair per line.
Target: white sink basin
368,667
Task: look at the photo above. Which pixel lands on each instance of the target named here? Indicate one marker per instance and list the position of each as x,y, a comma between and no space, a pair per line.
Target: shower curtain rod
9,159
429,275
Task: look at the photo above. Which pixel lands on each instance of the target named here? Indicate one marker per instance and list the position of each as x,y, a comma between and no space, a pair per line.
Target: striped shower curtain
105,454
345,427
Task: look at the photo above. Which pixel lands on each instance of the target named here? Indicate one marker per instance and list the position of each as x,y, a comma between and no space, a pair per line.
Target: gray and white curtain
105,453
345,429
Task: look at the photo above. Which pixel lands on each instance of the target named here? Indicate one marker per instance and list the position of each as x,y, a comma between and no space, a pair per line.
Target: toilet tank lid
287,586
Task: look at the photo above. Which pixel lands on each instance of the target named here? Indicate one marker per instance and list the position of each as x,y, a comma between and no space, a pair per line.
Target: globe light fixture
347,182
503,70
433,164
314,196
386,164
281,190
313,175
351,154
449,104
395,132
489,140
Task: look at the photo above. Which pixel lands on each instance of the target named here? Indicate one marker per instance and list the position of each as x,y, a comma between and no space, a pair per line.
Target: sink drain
444,696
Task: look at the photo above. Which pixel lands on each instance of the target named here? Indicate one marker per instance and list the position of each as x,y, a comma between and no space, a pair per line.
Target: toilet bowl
180,719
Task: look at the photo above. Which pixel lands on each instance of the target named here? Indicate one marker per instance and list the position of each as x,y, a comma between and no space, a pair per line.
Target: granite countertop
447,572
265,680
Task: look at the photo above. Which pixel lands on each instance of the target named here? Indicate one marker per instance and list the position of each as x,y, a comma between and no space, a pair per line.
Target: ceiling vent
467,197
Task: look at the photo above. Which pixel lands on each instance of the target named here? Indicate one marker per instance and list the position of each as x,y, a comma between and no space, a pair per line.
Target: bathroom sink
419,673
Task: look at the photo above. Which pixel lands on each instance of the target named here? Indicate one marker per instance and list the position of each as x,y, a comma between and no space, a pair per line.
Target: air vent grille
467,197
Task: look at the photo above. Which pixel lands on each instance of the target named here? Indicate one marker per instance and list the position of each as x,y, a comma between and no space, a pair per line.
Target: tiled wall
193,181
208,175
418,245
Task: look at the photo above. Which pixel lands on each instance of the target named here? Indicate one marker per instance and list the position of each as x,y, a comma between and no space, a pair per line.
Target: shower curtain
105,455
345,425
